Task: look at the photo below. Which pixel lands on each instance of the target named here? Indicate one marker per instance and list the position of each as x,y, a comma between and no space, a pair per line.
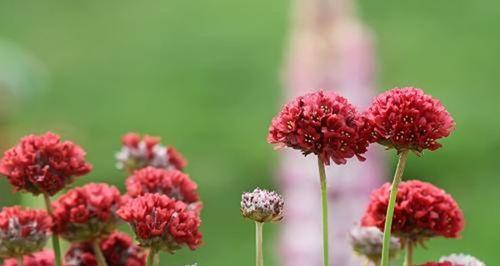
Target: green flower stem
403,156
324,200
151,257
101,261
409,254
259,256
55,239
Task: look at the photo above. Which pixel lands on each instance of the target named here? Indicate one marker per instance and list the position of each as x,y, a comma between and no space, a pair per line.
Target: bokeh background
205,75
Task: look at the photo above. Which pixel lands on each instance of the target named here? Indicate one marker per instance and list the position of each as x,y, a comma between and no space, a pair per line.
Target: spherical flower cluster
117,248
23,231
87,212
43,164
161,222
408,119
422,211
137,153
41,258
262,205
368,241
462,260
322,123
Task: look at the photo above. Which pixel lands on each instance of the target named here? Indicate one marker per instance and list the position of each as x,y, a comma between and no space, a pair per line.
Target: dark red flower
23,231
162,222
173,183
408,119
139,152
117,248
86,212
43,164
422,211
41,258
322,123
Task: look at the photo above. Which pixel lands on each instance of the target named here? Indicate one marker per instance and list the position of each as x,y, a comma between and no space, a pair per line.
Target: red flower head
162,222
322,123
43,164
41,258
138,153
23,231
408,119
422,211
173,183
87,212
117,248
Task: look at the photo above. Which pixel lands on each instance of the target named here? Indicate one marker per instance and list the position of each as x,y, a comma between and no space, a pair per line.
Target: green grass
205,76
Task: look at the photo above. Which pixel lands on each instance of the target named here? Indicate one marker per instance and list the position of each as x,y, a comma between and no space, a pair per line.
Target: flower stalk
259,256
324,205
55,238
101,261
151,257
403,156
409,254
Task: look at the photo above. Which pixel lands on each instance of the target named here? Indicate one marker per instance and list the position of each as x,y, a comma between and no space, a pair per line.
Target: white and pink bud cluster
262,206
367,241
462,260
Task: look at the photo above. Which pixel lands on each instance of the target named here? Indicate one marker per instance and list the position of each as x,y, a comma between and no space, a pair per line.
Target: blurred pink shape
330,49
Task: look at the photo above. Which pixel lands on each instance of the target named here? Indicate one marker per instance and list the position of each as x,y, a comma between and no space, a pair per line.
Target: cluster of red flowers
409,119
322,123
43,164
41,258
138,152
23,231
117,248
86,212
422,211
161,222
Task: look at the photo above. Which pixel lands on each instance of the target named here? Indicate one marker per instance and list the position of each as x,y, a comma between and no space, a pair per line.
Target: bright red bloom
409,119
162,222
173,183
422,211
23,231
87,212
43,164
117,248
139,152
322,123
41,258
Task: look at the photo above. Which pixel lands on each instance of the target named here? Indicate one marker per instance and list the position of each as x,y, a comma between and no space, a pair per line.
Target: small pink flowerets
138,152
41,258
23,231
162,223
87,212
323,123
43,164
117,248
409,119
422,211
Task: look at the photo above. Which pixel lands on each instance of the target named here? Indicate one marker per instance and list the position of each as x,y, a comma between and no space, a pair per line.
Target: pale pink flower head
462,260
409,119
323,123
367,241
43,164
262,206
41,258
23,231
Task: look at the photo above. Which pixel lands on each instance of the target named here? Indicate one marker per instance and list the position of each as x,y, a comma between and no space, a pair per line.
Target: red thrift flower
323,123
138,152
23,231
409,119
422,211
87,212
43,164
161,222
41,258
117,248
173,183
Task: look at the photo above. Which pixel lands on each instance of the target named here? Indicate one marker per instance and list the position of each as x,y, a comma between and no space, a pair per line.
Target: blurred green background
204,75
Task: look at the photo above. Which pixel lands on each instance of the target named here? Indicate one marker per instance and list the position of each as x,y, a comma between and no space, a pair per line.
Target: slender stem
101,260
259,256
20,261
324,205
55,238
409,254
403,156
151,257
